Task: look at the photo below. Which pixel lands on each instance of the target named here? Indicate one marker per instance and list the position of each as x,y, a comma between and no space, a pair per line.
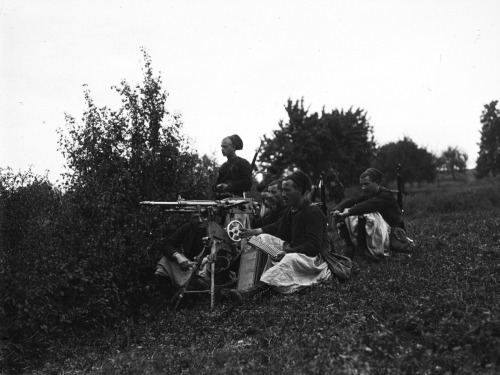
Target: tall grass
452,199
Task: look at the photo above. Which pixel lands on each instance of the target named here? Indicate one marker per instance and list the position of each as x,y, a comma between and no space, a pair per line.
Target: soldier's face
290,193
369,187
227,147
275,194
199,223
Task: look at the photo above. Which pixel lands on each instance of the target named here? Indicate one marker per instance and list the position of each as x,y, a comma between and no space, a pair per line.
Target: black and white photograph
249,187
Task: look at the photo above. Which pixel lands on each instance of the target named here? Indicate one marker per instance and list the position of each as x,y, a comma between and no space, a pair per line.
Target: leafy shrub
30,206
81,257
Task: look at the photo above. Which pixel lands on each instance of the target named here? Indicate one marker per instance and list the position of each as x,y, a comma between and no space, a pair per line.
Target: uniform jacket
383,202
304,229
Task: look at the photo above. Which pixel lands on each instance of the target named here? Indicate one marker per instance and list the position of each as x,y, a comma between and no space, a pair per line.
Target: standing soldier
235,175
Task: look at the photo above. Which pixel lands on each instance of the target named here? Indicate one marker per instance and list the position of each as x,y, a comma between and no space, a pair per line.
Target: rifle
400,188
321,186
323,193
255,157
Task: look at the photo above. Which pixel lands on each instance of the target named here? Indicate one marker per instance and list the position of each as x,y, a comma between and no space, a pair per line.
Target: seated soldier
276,204
300,235
378,208
174,268
235,175
265,209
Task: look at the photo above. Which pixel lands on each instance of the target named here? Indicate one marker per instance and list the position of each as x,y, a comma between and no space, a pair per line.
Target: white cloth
377,234
295,271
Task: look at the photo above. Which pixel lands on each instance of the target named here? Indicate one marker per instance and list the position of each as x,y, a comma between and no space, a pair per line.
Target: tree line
79,257
343,141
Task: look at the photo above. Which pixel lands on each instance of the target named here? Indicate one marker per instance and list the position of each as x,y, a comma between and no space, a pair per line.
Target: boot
362,248
350,249
361,236
240,296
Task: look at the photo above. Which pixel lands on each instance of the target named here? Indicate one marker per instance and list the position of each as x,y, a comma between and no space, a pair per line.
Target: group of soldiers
293,224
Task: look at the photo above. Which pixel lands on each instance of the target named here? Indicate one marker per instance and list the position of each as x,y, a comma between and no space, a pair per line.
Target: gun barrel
180,203
201,203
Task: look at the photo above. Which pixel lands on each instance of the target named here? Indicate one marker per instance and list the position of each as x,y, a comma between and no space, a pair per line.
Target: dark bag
400,242
339,265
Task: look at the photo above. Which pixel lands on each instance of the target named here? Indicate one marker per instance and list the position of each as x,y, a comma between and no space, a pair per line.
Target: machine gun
220,213
198,206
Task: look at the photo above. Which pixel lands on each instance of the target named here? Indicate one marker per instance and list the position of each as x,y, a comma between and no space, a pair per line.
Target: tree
417,164
488,161
118,158
453,160
115,159
314,143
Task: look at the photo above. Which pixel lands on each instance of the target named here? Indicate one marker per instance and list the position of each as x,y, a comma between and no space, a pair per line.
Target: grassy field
436,312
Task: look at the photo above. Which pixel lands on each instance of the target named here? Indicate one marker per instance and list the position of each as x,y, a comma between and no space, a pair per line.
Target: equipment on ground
223,244
266,248
233,230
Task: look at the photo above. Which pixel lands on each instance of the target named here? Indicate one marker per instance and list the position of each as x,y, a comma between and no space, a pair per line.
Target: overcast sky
422,69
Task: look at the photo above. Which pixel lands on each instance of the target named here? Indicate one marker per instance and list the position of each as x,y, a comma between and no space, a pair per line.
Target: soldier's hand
244,232
184,263
344,213
278,256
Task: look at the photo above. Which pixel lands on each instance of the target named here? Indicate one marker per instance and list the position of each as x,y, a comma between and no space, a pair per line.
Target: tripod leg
213,254
176,299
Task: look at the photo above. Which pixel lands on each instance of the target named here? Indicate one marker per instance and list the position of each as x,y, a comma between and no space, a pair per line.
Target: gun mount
235,205
222,242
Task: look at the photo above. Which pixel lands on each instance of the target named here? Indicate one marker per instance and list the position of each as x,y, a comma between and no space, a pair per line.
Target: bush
81,257
30,207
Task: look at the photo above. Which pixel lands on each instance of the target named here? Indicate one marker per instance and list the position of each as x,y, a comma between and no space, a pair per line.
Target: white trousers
377,234
295,271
